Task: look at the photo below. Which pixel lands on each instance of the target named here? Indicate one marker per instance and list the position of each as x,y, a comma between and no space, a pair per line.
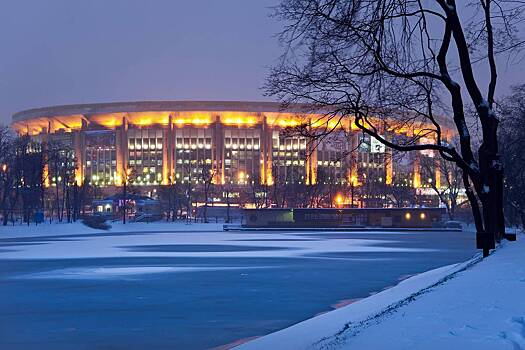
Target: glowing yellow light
144,121
288,123
78,178
422,216
192,121
45,174
333,124
199,121
408,216
110,122
239,121
269,175
339,199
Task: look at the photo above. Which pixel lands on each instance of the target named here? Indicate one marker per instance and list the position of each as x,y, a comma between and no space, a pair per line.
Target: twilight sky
73,51
78,51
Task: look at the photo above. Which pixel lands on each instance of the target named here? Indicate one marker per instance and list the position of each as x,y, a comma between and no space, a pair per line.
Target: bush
97,222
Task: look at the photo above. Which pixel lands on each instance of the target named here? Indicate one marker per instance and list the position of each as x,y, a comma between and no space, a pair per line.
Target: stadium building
241,143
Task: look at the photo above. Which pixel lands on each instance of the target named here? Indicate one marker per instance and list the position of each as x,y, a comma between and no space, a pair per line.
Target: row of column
218,155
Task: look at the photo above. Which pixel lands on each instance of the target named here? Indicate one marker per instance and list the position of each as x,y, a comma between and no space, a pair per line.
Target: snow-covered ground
77,228
479,304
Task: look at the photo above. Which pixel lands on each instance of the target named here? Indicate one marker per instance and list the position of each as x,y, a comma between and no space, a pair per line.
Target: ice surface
167,286
76,241
116,272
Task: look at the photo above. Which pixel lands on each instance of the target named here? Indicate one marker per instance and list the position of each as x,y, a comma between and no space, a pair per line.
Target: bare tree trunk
57,197
68,206
206,188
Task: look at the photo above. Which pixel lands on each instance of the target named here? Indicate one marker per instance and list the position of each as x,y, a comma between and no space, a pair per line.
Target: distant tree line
512,110
38,178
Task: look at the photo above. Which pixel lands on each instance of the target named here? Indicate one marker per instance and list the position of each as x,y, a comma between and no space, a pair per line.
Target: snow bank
477,304
77,228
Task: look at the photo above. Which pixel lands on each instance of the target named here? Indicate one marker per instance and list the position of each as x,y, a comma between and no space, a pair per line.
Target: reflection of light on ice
115,272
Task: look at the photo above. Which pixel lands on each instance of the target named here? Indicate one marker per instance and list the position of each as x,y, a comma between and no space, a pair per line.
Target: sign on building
376,146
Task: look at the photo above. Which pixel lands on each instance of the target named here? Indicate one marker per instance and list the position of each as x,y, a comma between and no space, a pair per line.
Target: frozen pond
196,290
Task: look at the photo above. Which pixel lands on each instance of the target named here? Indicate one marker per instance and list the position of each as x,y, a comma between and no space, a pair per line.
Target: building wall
239,148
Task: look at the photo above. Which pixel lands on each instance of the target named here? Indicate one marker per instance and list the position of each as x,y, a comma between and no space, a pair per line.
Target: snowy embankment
479,304
77,228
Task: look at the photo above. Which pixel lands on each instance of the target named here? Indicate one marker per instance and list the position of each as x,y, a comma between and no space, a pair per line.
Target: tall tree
206,176
60,164
6,174
28,173
512,110
450,185
259,192
128,176
393,65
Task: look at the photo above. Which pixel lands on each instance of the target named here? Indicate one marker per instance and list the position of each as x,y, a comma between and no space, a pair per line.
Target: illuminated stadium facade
241,143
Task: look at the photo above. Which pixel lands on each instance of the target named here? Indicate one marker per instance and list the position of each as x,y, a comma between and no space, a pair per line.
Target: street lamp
339,200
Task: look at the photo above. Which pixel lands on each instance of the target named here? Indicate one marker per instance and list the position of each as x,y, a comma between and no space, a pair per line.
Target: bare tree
227,193
259,191
188,189
169,198
513,131
28,169
206,175
86,194
393,65
279,188
60,173
6,174
127,177
450,185
400,194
